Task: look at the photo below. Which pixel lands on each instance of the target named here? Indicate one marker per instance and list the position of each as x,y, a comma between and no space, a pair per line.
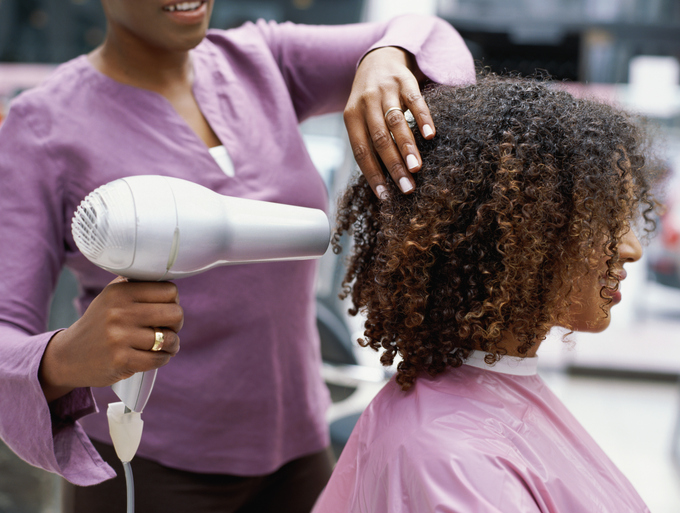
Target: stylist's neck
135,62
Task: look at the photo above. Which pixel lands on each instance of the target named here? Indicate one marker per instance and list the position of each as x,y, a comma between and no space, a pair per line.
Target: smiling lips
184,6
610,286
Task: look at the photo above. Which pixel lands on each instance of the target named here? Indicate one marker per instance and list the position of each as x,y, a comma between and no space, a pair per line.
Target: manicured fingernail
405,184
411,161
382,192
427,131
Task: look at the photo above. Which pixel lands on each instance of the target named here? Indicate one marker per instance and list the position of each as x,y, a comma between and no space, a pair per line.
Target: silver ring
159,338
391,109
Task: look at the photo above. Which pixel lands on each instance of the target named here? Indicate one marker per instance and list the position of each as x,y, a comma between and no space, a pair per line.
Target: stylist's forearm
53,385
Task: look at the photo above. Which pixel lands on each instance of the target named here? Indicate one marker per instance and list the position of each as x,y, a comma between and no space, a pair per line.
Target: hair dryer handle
135,390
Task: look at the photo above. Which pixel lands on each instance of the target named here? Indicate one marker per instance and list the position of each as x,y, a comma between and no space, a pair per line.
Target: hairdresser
236,420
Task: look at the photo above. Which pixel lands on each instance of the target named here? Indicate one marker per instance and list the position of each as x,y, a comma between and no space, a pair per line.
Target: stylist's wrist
50,374
397,55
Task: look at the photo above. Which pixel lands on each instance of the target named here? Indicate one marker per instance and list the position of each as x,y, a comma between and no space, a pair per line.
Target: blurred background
623,384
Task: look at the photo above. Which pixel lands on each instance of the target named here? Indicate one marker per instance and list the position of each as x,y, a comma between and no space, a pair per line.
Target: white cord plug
125,429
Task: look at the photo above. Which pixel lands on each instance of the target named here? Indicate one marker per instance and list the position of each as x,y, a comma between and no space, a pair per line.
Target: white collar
507,365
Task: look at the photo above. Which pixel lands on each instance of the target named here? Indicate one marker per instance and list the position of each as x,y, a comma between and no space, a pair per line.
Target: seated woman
521,220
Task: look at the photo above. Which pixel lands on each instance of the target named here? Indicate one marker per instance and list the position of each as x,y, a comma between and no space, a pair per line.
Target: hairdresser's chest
258,127
139,132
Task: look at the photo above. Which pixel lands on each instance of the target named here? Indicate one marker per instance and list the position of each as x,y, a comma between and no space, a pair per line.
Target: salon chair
351,385
675,440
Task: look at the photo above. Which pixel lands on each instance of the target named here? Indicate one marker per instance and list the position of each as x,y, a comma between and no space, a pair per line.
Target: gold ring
159,338
391,109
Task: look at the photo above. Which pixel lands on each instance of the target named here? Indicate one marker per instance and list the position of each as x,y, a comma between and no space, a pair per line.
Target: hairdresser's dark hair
522,185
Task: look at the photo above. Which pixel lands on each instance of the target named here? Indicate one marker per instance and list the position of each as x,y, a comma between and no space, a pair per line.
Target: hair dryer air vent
102,225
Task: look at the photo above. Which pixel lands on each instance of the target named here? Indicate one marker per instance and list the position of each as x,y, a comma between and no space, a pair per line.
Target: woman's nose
630,249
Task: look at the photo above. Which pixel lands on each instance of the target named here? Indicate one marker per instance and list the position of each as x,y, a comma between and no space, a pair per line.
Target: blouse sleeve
318,62
31,255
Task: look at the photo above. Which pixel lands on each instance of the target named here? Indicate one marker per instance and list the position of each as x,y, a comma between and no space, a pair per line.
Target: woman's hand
113,338
385,85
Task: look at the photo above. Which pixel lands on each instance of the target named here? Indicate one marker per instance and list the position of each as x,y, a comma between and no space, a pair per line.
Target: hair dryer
155,228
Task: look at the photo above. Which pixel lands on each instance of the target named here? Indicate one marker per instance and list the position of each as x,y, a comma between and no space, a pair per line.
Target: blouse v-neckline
159,99
219,154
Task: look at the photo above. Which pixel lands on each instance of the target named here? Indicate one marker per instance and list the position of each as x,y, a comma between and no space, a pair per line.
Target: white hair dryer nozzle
161,228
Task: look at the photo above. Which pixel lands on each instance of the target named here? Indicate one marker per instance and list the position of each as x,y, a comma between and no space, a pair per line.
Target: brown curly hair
516,187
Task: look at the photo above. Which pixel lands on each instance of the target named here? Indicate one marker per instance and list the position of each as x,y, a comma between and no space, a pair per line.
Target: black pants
293,488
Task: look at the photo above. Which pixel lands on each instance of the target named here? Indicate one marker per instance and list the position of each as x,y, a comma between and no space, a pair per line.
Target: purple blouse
244,395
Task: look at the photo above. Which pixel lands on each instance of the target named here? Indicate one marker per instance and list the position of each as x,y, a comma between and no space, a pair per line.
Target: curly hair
521,187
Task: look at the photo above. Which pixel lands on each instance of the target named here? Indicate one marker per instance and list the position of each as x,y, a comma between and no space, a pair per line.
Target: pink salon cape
477,439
